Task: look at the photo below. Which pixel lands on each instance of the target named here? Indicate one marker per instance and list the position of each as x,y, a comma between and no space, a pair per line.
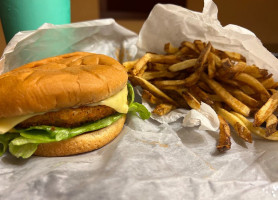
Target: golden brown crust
59,82
82,143
69,117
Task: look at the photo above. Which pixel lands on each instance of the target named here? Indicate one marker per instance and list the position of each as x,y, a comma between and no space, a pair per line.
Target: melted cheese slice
7,124
118,102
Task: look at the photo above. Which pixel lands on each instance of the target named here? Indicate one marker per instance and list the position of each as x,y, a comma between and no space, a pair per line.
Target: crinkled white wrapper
149,160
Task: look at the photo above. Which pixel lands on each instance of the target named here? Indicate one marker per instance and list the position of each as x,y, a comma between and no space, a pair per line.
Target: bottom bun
82,143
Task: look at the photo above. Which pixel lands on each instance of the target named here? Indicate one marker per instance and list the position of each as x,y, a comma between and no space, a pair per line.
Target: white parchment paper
98,36
149,160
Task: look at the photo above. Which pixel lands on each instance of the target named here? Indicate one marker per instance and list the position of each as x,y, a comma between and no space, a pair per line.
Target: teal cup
22,15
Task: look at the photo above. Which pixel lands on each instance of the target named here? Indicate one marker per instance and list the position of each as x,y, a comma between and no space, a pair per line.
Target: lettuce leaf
24,151
5,140
27,141
45,134
135,107
24,142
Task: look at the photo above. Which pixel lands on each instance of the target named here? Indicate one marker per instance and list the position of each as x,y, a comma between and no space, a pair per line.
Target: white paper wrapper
149,160
170,23
98,36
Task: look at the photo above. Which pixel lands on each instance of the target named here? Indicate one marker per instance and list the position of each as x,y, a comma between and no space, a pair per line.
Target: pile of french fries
244,96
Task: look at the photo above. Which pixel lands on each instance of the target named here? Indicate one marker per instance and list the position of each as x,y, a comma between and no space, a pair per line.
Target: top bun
59,82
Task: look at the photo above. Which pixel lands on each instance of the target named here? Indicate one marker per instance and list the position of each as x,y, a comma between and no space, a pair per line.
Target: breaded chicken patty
71,117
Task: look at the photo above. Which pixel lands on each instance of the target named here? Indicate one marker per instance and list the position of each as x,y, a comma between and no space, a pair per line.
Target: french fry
149,97
271,124
184,51
163,83
174,94
266,110
228,70
246,89
254,83
259,131
170,49
235,56
226,96
156,58
157,67
196,72
254,71
224,72
272,91
140,64
142,70
269,83
190,45
205,87
236,123
187,82
211,66
194,77
130,64
243,97
201,94
216,59
148,86
226,63
203,56
238,68
190,99
163,109
199,45
224,141
215,98
166,59
192,90
171,87
183,65
158,74
230,82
